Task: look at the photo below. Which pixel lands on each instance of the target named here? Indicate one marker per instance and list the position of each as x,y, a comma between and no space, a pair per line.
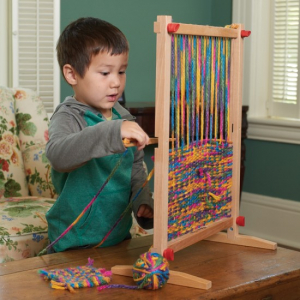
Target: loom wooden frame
162,121
161,161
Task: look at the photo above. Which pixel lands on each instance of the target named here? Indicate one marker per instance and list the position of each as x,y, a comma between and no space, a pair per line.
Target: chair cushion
12,173
23,227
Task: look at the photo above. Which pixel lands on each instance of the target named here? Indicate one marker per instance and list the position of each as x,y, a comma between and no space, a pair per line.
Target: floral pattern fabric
26,189
24,172
23,227
31,118
38,172
24,168
12,172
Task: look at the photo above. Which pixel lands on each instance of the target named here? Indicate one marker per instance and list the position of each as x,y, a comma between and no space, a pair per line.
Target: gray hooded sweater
77,138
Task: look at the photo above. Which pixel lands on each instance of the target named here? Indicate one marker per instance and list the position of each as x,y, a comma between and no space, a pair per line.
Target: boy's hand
132,130
145,211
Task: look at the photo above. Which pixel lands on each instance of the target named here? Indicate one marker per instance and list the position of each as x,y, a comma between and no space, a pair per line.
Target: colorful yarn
150,272
199,187
126,209
200,86
44,251
200,158
77,277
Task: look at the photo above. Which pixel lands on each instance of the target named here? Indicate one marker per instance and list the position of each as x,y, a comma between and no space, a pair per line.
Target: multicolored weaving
200,158
77,277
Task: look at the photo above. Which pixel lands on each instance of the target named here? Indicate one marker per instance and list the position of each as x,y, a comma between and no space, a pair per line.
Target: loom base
243,240
177,278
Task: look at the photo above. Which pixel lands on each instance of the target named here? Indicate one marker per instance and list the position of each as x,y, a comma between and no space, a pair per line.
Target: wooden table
236,272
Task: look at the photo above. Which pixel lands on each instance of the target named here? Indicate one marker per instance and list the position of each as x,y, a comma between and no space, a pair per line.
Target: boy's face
103,82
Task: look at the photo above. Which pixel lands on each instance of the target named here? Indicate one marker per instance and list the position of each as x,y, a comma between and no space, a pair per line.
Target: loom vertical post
236,74
162,120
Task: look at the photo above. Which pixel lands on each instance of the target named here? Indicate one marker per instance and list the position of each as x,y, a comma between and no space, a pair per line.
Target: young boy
85,141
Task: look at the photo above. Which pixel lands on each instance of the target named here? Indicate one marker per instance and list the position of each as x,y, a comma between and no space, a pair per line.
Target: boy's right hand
133,131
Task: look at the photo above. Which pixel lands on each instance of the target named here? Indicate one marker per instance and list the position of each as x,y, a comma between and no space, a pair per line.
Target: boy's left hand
145,211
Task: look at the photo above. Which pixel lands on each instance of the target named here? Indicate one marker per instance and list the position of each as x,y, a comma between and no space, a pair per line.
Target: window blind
285,51
34,54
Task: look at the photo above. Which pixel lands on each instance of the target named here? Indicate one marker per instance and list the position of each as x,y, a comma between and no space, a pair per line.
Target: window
35,30
3,43
272,119
285,99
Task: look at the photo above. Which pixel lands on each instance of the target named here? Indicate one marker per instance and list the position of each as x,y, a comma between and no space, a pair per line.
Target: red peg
240,221
173,27
245,33
169,254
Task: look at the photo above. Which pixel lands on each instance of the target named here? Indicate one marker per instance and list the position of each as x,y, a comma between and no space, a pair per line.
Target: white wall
274,219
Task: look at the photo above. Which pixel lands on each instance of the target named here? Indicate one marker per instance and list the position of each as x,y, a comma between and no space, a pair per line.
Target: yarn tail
87,207
43,252
126,209
117,286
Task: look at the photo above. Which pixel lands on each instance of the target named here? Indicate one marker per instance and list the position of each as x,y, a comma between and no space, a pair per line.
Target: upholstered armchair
26,190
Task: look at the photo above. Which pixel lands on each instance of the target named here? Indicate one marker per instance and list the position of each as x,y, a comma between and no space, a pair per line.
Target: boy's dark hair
86,37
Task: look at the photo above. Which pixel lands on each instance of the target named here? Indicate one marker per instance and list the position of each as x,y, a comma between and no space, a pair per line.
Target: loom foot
177,278
243,240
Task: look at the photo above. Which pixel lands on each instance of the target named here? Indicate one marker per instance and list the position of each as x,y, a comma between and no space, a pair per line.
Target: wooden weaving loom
198,107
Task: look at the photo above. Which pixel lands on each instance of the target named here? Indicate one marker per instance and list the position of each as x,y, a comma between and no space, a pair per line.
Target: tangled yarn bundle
151,271
78,277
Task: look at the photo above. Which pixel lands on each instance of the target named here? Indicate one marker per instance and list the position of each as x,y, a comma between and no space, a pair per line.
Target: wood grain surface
236,272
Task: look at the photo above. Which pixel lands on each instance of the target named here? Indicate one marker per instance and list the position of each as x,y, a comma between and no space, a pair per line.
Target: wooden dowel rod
132,143
201,30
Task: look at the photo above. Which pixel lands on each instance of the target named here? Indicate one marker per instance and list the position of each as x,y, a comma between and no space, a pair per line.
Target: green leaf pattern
28,128
23,226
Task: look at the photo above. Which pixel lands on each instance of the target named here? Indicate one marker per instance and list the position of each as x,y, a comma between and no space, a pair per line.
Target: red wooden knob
173,27
169,254
240,220
245,33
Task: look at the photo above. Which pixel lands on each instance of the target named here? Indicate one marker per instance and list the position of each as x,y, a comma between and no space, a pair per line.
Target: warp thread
201,154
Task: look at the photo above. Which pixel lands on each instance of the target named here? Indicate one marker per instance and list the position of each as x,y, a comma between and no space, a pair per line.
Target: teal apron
77,188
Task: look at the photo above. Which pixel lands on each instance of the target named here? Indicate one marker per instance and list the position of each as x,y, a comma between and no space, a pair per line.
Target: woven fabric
200,177
200,158
77,277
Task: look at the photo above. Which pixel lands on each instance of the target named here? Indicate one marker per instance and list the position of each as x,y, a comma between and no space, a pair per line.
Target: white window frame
4,43
256,16
9,21
56,100
280,107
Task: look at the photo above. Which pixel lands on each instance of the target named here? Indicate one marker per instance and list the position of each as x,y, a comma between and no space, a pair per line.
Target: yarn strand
126,209
88,206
